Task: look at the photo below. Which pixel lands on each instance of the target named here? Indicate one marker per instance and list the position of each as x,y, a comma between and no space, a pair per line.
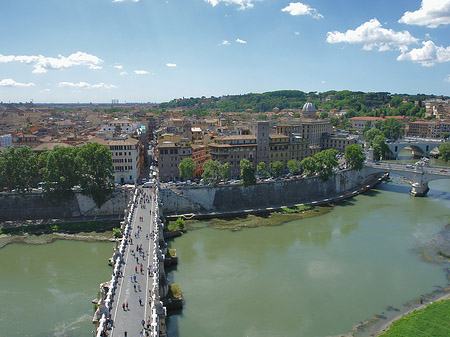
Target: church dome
309,107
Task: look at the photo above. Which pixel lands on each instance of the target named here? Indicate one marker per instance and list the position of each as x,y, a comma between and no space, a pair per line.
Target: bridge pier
419,190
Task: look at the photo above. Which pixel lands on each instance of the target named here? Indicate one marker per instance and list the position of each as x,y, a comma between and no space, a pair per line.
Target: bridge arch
421,148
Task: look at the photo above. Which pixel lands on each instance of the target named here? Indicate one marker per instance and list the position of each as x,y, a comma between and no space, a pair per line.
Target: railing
115,275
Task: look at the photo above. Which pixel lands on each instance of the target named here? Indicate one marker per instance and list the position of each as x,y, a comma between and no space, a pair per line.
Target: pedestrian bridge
418,175
130,303
420,146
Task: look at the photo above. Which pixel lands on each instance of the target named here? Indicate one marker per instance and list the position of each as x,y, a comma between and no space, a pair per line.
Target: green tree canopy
96,171
293,166
444,151
247,174
354,156
186,168
262,169
60,172
309,166
18,169
326,162
392,128
211,172
276,168
224,171
380,147
370,134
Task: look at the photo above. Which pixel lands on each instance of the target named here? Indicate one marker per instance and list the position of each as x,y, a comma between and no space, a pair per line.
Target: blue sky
157,50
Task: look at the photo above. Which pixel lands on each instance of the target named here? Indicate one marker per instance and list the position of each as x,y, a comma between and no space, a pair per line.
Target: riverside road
131,307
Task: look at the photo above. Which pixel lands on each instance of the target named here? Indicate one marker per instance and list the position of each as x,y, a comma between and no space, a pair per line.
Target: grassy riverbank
90,231
433,320
236,223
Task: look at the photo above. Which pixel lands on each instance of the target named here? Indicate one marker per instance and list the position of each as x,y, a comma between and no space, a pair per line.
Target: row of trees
89,166
322,164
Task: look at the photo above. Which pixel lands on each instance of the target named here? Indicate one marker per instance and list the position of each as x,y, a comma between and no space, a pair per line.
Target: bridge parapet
425,145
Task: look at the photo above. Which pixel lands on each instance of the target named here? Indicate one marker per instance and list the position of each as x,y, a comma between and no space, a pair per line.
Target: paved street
136,282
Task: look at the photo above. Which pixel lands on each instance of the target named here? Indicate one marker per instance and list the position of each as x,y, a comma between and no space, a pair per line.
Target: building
127,157
232,149
169,156
338,141
438,108
279,148
428,129
199,155
359,123
261,130
6,140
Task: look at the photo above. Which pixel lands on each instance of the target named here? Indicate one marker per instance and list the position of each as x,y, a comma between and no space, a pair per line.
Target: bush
176,290
117,233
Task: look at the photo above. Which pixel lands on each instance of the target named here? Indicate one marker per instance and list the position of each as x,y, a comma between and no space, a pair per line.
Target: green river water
312,277
46,290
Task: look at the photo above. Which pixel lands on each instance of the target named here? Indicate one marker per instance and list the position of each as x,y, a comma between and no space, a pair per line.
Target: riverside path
135,308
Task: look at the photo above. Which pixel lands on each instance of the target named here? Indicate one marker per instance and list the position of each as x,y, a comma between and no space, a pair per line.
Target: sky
69,51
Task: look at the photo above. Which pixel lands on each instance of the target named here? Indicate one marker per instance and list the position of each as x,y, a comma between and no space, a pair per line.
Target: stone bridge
420,146
418,175
131,303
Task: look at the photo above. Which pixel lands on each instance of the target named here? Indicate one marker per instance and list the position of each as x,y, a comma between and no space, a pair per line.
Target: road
135,284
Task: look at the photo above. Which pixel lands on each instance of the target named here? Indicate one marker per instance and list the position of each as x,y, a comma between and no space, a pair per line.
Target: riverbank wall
266,195
16,207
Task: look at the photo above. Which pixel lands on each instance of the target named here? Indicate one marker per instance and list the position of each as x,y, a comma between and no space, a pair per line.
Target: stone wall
36,206
262,195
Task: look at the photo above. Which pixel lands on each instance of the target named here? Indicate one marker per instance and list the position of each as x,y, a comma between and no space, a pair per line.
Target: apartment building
261,130
279,148
169,156
127,157
200,154
231,149
338,141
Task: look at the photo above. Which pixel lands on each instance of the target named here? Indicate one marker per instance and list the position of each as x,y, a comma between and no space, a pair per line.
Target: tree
18,169
354,156
211,172
276,168
293,166
60,172
309,166
247,174
380,147
224,171
396,101
96,171
262,169
392,128
444,151
323,115
372,133
325,163
186,168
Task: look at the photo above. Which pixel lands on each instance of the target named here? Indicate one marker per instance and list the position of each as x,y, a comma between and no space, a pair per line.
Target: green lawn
433,321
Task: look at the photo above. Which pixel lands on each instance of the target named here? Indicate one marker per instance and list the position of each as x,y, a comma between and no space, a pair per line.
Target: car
409,166
148,184
144,180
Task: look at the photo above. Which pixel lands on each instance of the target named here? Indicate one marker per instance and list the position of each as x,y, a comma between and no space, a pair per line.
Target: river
312,277
46,290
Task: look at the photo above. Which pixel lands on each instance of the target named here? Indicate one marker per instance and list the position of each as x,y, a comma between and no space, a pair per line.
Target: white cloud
243,4
428,55
9,82
372,35
85,85
297,33
141,72
171,65
118,67
123,73
241,41
432,13
225,43
323,82
447,79
298,8
42,63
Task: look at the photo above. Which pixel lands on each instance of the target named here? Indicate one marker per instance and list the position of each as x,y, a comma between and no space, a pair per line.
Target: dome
309,107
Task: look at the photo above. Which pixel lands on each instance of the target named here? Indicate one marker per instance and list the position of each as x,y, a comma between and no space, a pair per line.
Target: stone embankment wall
262,195
14,207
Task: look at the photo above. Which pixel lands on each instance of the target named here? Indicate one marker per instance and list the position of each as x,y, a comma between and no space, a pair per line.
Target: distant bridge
418,175
420,146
